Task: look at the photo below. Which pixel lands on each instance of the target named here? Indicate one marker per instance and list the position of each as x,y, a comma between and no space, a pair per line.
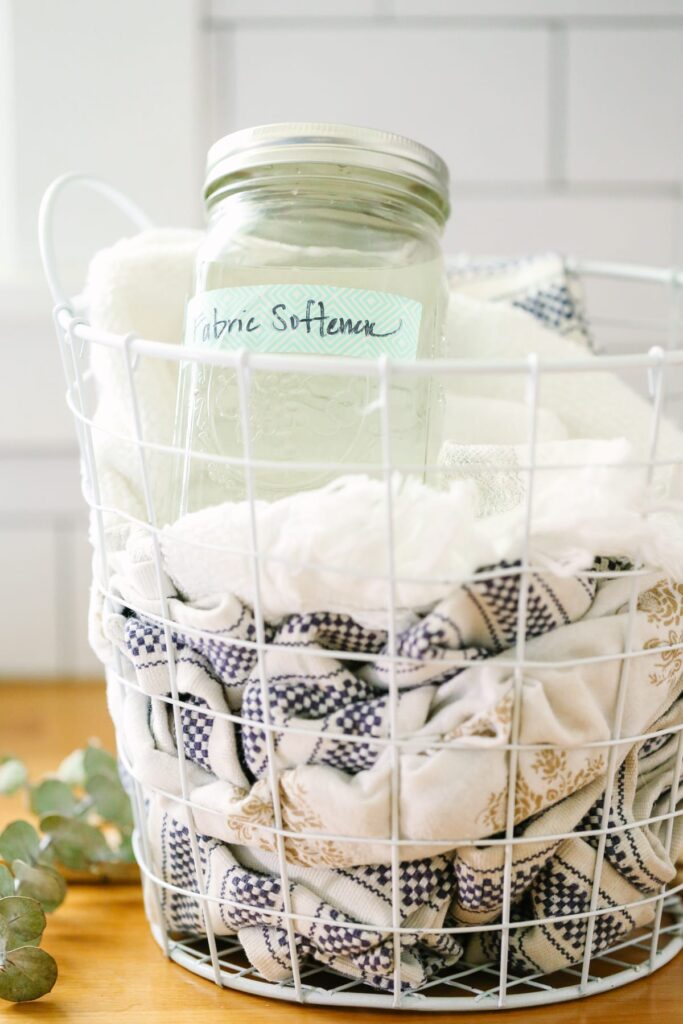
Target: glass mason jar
322,239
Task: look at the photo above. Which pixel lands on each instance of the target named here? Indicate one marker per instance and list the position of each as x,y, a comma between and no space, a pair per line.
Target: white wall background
562,122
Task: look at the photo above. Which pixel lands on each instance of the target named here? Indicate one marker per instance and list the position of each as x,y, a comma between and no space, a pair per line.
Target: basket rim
78,329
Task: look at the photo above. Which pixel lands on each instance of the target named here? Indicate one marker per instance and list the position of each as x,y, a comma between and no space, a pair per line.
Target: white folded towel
141,285
468,420
591,405
539,284
500,472
328,548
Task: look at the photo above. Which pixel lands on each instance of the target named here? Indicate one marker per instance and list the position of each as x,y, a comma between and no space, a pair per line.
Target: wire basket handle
46,222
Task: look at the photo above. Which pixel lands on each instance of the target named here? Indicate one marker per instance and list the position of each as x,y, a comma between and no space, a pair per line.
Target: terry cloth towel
500,472
473,421
342,915
539,284
140,285
592,406
327,549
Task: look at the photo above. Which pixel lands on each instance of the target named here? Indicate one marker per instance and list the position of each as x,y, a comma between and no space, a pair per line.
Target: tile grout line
677,254
207,94
64,612
16,453
45,518
218,44
229,80
385,8
557,113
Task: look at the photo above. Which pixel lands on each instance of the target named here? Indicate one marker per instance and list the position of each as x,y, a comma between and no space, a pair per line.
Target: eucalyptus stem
85,824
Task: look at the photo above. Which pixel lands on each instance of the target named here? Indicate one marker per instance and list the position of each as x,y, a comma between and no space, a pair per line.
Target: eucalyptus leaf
40,883
52,797
13,775
26,973
72,769
19,841
21,921
99,762
6,882
46,855
125,850
110,800
74,843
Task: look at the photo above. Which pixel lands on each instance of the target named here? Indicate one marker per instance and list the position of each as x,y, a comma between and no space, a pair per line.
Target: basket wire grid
463,986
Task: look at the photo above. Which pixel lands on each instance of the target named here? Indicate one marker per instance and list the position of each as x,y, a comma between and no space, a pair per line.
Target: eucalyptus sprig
85,824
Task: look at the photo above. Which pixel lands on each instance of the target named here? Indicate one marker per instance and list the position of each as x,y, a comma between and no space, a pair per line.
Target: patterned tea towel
539,284
638,862
327,682
342,915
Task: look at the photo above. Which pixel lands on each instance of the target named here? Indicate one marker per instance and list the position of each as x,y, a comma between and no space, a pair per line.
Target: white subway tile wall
624,111
473,93
603,227
561,121
518,9
299,9
35,415
31,622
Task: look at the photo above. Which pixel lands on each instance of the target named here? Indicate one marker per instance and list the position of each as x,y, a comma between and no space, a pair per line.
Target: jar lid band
340,144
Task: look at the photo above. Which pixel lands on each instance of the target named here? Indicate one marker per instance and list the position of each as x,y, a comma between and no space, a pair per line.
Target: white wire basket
603,959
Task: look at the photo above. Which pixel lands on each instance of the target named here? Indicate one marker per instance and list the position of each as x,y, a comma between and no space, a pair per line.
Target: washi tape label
312,319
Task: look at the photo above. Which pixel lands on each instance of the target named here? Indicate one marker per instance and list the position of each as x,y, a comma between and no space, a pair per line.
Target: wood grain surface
110,968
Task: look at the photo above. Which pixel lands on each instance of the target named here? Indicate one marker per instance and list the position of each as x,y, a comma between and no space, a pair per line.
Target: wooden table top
110,968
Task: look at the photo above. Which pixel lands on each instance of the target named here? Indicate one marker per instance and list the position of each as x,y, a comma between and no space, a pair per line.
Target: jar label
305,318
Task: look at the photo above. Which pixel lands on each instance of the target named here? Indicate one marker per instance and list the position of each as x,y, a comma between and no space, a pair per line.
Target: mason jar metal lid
341,144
